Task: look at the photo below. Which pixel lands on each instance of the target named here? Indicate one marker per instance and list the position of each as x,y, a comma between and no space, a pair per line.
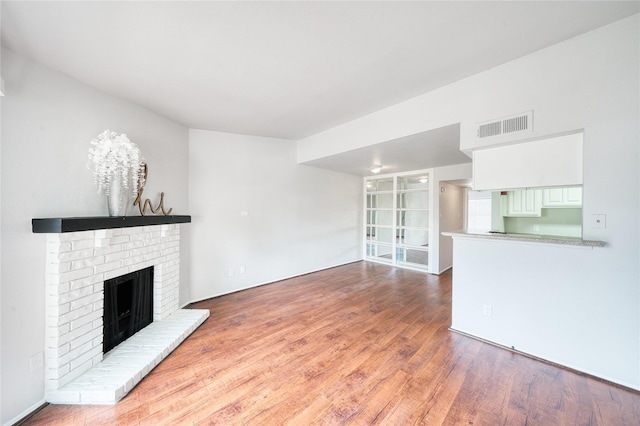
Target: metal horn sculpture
142,206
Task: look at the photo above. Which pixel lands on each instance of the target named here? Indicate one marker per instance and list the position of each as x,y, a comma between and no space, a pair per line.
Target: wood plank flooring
360,344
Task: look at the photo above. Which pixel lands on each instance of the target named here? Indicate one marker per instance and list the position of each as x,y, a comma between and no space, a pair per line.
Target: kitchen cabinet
562,197
524,203
550,162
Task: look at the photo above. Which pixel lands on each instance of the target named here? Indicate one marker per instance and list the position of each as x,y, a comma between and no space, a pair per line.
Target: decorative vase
118,198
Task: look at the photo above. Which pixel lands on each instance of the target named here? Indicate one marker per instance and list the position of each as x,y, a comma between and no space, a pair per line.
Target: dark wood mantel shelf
75,224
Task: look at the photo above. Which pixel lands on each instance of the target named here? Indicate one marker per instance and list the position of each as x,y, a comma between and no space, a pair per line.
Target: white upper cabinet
543,163
524,203
562,197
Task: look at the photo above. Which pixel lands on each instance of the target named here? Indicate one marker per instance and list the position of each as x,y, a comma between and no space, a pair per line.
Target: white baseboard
271,282
26,413
445,269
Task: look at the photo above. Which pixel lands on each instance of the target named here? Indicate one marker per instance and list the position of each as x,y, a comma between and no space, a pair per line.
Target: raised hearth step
129,362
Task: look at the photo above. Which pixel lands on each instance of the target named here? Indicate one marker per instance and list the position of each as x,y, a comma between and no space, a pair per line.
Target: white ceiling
435,148
286,69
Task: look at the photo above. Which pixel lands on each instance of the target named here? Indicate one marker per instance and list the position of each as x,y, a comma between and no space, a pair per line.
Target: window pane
414,237
380,217
413,218
413,200
380,201
412,257
413,182
376,234
380,185
380,252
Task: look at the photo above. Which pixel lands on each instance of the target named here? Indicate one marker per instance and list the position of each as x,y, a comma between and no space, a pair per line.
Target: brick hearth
78,263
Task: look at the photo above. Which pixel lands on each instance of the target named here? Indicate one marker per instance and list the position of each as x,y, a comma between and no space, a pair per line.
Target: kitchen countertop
529,238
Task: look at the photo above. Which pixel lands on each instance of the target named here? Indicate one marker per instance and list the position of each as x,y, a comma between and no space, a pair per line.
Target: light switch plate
599,221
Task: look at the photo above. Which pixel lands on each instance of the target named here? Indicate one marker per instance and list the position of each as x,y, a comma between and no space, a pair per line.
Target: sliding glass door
397,220
412,218
379,221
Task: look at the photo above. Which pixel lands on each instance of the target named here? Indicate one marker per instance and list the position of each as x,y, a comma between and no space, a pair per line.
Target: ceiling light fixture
375,169
424,180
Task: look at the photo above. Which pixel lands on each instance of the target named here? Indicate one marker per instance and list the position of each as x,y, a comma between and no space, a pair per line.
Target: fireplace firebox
128,306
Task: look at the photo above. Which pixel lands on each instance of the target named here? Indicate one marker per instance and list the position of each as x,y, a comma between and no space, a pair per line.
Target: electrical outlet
599,221
36,362
242,269
486,309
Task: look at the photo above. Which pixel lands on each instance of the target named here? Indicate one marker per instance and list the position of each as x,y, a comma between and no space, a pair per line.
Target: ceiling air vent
520,123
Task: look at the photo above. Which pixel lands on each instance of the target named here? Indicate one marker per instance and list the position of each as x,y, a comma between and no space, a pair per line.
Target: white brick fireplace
78,263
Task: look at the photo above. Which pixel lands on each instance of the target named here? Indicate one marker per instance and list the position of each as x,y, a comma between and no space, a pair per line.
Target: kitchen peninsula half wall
528,293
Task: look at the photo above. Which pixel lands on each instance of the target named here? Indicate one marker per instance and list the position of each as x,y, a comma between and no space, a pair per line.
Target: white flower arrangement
114,157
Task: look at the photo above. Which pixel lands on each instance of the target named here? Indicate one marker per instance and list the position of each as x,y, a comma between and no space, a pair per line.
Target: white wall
451,214
298,218
590,82
48,120
564,304
440,174
586,310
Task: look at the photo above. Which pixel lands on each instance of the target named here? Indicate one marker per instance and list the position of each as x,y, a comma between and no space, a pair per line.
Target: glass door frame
394,244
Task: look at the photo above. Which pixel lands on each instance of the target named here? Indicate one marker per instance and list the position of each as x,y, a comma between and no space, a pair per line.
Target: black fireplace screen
128,306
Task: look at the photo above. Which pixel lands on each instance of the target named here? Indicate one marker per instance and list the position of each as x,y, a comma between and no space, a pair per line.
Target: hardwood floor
359,344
